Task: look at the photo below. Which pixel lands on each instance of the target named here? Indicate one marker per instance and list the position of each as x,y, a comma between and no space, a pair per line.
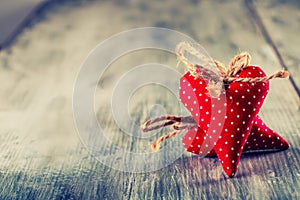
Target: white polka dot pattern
241,103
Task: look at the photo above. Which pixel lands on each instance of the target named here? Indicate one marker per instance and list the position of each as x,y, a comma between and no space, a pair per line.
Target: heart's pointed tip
231,176
285,145
231,173
230,169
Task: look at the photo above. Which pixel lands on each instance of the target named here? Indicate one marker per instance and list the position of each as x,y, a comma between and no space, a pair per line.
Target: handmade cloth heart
228,119
260,138
224,121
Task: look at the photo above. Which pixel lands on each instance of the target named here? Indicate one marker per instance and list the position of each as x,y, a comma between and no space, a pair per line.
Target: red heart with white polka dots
261,138
228,119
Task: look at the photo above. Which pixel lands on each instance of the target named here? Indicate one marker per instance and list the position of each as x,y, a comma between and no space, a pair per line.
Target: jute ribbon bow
214,81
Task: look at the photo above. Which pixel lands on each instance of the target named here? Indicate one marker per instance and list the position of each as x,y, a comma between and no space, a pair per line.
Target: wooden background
14,15
41,155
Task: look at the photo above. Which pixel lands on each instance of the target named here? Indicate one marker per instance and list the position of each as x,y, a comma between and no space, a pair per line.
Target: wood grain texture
41,154
14,15
281,28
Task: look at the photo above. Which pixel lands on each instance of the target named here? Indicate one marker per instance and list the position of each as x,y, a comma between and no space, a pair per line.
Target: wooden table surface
14,15
42,156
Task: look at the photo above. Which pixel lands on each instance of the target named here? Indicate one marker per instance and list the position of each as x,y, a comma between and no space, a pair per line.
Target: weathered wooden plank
42,157
281,18
14,16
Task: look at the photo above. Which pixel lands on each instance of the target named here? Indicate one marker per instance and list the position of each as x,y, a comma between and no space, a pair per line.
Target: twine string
237,64
180,124
155,145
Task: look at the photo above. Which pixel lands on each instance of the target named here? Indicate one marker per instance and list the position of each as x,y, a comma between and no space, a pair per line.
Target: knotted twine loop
215,82
226,75
179,124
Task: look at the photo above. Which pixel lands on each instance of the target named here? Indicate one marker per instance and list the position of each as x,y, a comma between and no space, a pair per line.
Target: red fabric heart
261,138
228,119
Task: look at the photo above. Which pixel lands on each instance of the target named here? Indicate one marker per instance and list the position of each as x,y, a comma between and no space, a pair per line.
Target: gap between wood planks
257,20
24,23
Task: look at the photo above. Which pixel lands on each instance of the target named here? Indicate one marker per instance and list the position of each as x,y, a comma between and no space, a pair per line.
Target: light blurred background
45,42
